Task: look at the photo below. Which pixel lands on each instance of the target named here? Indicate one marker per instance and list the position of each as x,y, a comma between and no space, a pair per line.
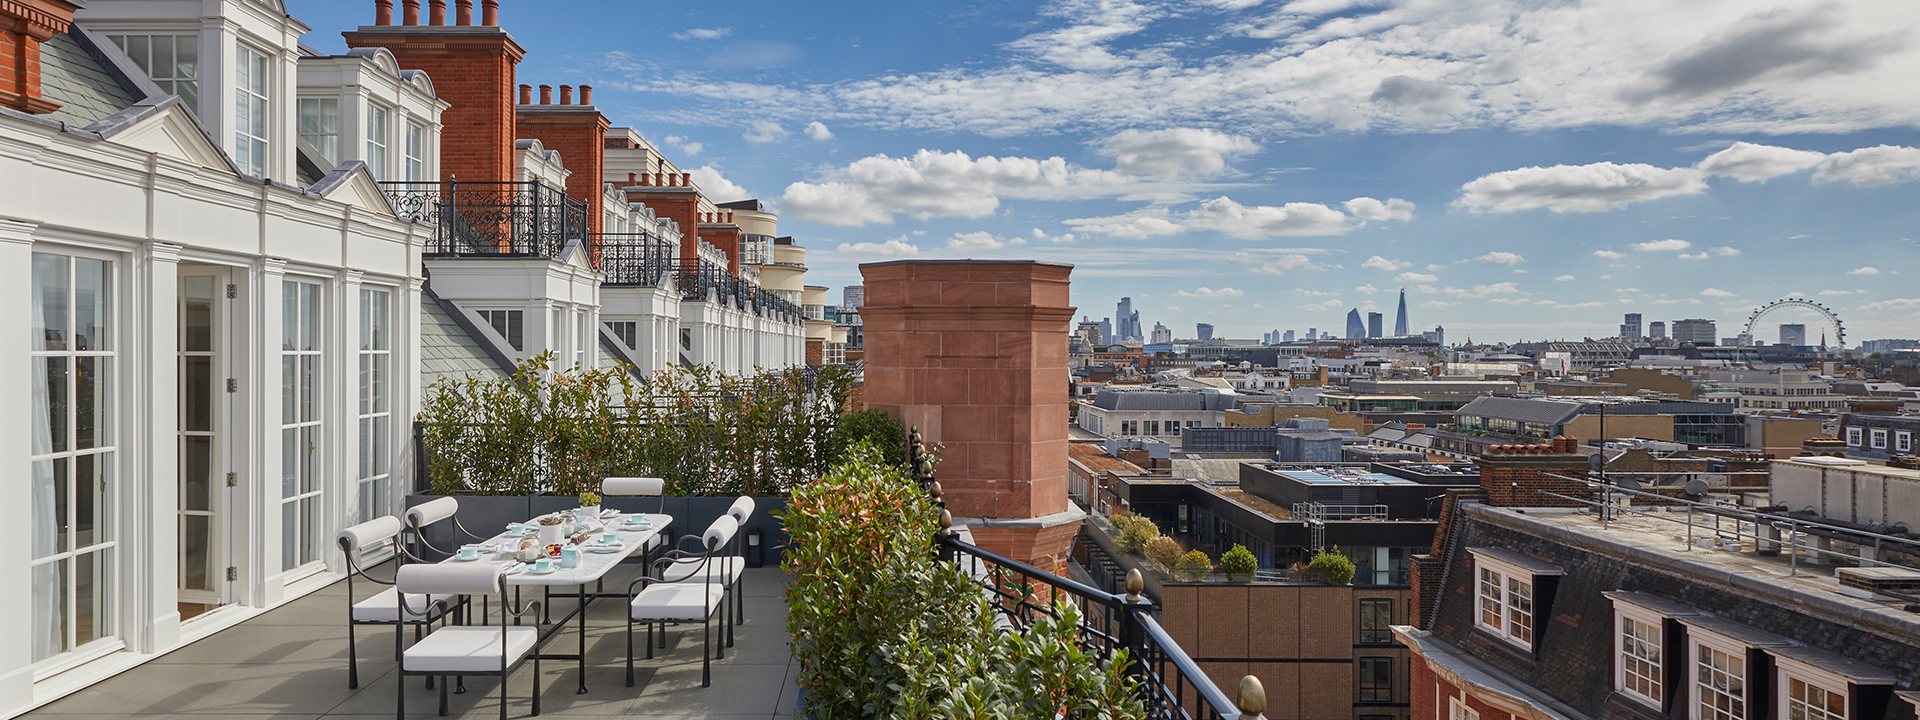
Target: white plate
537,571
609,513
515,571
605,550
457,558
636,527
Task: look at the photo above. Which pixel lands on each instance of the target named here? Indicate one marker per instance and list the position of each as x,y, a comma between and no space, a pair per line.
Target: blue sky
1526,170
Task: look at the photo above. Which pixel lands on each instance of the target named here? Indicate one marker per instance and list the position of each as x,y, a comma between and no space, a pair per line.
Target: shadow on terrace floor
292,662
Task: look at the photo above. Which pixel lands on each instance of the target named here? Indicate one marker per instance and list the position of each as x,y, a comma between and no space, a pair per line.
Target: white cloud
1417,278
703,34
1869,270
931,183
1435,267
1175,152
1039,234
1367,209
1715,292
975,241
1868,167
897,247
1702,255
1724,251
1366,289
716,186
1261,221
1597,187
1505,288
1748,162
764,131
1285,263
1136,225
818,131
1205,292
1379,263
1836,292
1894,304
1609,254
1437,304
833,203
1500,258
1668,245
1563,278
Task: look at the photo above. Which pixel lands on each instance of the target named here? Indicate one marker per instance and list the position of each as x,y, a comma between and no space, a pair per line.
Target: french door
206,440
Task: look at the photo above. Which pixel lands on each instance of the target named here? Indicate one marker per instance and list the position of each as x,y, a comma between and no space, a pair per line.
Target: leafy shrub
1194,566
1239,561
885,629
1135,532
881,430
563,430
1164,550
1334,568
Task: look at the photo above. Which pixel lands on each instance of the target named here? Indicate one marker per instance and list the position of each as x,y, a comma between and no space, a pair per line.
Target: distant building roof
1110,399
1527,410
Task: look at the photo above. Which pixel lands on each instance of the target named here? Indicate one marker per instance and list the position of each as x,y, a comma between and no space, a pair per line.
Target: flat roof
1316,478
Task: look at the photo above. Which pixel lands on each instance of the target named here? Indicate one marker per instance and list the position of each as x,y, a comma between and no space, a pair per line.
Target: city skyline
1678,161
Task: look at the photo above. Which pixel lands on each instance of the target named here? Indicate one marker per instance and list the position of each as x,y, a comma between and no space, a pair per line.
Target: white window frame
307,501
1878,438
329,151
252,108
374,415
1854,437
508,318
1697,639
1623,612
171,81
379,126
1903,441
1788,670
1507,577
416,152
1457,708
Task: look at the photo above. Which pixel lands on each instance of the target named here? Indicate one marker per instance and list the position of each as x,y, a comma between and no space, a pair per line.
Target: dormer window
1509,594
170,61
250,110
377,141
320,126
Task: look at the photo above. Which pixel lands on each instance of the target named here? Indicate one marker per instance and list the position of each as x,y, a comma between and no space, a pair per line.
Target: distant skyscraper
1794,334
1203,331
1657,329
1696,331
853,296
1313,333
1374,322
1400,319
1289,336
1356,328
1631,328
1106,331
1127,322
1161,334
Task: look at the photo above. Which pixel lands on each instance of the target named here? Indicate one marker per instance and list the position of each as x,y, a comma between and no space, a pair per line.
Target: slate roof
1544,412
446,350
1160,400
72,77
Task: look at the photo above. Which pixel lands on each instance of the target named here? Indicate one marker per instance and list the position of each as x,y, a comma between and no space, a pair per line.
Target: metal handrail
491,218
633,258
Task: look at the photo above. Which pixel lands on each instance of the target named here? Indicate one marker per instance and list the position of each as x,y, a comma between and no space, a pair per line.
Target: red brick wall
1423,692
473,70
816,352
680,207
727,238
580,138
1520,475
24,24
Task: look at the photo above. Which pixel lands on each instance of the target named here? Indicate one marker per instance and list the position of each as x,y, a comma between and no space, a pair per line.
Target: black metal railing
634,258
527,219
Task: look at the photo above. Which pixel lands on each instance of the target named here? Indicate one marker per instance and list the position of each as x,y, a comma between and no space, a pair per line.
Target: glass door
300,428
204,404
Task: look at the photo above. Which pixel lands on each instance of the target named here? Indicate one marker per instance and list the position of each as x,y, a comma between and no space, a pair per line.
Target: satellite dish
1626,483
1696,487
1597,462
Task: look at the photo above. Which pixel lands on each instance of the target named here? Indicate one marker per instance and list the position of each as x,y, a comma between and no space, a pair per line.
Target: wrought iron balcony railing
634,258
525,219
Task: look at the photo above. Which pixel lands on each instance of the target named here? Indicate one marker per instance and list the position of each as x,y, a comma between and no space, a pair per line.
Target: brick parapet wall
578,133
473,70
1521,475
24,24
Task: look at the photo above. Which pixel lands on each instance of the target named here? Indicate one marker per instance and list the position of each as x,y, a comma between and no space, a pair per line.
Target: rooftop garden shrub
883,628
1239,562
1135,532
1333,567
563,430
1194,566
1164,550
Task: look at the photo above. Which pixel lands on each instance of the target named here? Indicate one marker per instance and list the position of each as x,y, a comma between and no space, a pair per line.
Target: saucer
537,571
457,558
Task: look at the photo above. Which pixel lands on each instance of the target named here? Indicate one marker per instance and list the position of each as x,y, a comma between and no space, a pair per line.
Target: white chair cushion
385,607
723,569
721,531
633,486
428,513
676,601
370,532
741,509
462,648
479,578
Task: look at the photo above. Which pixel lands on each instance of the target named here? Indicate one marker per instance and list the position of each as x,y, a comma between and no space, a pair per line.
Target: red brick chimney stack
410,12
24,24
490,13
463,13
473,71
1520,475
437,12
383,12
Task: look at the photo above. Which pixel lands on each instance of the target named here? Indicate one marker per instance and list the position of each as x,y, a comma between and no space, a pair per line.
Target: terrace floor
292,662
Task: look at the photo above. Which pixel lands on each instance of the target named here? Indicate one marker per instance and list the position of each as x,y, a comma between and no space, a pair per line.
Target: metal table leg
583,640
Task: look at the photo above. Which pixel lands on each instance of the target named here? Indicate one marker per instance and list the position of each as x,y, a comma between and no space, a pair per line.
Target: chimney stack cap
490,13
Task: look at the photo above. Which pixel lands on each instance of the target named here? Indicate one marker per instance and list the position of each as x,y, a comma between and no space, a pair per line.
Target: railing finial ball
1135,584
946,518
1252,699
933,489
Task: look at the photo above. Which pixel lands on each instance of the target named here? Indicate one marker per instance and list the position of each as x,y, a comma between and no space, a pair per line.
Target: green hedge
883,628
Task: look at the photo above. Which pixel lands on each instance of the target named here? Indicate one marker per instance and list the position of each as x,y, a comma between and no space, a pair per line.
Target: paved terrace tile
291,662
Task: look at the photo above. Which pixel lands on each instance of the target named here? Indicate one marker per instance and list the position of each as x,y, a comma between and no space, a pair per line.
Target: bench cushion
676,601
385,607
723,570
462,648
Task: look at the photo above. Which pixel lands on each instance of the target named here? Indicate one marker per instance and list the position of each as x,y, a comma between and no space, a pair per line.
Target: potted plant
589,504
1239,564
1194,566
1333,566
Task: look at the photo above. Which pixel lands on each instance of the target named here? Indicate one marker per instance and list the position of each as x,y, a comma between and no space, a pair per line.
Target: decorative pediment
171,132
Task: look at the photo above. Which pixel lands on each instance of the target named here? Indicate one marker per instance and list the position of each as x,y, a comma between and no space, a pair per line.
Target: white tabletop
592,565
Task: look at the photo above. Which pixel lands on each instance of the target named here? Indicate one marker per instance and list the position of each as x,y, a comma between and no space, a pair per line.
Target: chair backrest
369,533
720,532
448,579
633,486
741,509
428,513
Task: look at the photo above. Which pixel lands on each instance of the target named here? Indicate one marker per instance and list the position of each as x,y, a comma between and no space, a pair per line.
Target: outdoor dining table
592,568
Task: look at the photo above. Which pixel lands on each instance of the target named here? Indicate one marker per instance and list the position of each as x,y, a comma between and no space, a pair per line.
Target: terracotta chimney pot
686,179
383,12
410,12
546,94
436,12
566,94
586,94
490,12
633,179
463,12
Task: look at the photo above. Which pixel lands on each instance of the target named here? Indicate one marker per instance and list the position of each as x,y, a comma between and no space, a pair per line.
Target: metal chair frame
505,671
707,654
400,556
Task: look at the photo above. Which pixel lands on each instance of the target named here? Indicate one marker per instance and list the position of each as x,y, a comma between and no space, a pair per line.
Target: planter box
489,514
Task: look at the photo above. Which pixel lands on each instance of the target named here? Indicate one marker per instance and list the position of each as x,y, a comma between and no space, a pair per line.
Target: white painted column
340,494
257,529
16,371
403,377
150,467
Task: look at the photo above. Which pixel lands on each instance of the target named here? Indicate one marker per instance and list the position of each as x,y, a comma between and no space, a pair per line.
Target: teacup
610,538
543,565
569,557
470,553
